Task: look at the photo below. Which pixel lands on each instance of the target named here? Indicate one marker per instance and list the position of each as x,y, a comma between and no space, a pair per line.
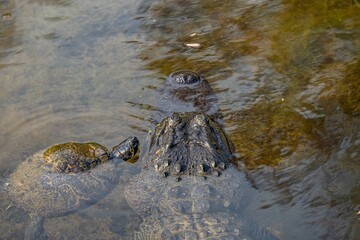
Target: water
287,75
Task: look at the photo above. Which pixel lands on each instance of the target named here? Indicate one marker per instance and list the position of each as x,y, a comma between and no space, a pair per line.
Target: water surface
287,75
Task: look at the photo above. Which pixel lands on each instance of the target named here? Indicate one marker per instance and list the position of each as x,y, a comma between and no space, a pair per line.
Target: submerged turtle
65,178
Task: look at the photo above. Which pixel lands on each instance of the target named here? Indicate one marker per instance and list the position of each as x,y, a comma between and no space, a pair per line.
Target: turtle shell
57,181
74,157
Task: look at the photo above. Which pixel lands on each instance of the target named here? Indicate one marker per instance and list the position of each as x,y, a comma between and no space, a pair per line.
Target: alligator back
193,207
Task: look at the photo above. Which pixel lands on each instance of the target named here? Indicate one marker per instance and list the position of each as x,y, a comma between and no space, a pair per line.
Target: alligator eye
174,119
216,146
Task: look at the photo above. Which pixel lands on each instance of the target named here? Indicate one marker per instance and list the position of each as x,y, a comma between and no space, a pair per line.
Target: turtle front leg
36,229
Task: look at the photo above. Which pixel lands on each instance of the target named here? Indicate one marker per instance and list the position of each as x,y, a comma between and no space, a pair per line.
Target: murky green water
287,75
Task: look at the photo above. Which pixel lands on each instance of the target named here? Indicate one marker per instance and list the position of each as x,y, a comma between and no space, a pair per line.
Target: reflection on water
287,75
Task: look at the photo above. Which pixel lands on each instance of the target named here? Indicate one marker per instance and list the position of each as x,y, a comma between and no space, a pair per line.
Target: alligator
188,187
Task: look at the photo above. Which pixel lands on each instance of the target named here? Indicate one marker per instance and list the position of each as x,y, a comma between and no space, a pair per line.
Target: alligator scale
188,188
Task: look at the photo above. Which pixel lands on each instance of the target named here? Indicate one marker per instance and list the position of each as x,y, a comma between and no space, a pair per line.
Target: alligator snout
185,77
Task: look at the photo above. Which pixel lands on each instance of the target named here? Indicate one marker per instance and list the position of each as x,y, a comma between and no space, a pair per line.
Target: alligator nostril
185,77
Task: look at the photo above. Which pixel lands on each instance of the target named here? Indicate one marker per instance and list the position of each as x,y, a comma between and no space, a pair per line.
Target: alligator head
188,144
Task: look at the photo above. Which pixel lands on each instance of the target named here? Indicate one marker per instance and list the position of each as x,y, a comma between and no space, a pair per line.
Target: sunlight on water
286,74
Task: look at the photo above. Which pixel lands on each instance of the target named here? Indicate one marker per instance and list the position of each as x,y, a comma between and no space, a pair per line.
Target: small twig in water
8,207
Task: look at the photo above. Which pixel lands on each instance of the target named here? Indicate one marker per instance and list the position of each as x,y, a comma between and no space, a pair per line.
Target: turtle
65,178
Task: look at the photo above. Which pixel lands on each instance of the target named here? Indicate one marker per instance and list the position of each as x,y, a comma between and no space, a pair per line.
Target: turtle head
126,149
